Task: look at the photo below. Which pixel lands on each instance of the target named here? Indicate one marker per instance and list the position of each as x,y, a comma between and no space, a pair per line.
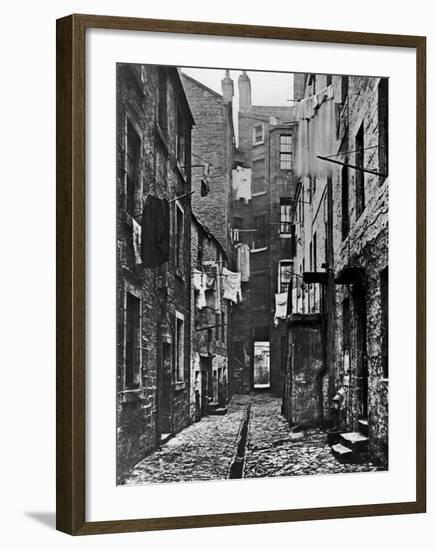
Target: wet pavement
205,450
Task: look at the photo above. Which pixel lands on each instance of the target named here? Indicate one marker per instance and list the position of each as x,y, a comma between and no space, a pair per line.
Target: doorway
261,365
361,323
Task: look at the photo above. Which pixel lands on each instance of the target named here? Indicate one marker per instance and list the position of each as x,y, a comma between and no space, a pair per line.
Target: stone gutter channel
236,469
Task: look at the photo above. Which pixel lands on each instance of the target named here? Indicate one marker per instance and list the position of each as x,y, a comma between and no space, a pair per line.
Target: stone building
264,183
154,124
212,161
210,317
337,368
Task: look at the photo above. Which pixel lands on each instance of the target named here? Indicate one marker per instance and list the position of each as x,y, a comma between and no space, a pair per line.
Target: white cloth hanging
281,307
242,183
317,135
243,261
232,286
136,240
199,284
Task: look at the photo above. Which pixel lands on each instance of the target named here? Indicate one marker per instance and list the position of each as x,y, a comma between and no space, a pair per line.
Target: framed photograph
240,274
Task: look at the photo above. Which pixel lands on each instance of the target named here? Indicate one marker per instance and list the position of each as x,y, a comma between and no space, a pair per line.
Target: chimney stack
244,91
227,88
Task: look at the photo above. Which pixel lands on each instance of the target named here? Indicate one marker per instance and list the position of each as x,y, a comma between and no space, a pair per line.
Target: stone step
219,411
165,438
342,453
363,426
355,441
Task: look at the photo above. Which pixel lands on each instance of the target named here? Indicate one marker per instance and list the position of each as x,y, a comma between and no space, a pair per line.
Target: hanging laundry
242,183
213,283
243,261
232,286
136,240
281,307
317,133
199,284
155,230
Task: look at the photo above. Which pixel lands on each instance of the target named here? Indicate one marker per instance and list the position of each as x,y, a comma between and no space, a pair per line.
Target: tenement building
264,184
337,364
212,158
154,124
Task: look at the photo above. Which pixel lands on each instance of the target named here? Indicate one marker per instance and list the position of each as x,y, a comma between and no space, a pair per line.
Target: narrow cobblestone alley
205,450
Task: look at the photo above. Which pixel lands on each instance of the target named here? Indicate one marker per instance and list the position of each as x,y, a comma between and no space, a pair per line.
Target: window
285,271
328,79
223,327
258,177
239,351
344,202
384,321
259,236
258,134
179,235
259,290
312,84
162,98
218,320
132,357
359,174
133,168
383,127
181,142
285,216
346,317
180,347
285,152
344,88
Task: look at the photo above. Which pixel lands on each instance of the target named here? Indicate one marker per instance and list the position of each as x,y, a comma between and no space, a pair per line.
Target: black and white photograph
252,254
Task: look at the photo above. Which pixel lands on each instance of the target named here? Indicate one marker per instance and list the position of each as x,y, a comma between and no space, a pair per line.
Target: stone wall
160,291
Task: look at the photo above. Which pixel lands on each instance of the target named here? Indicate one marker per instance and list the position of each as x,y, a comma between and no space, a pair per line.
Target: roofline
201,85
208,232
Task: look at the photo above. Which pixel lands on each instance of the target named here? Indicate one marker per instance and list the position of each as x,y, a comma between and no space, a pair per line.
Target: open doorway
261,365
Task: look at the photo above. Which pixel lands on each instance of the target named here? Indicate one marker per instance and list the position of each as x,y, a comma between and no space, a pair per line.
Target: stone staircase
353,446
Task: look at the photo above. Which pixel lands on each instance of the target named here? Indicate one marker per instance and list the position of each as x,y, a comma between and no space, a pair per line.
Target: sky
268,88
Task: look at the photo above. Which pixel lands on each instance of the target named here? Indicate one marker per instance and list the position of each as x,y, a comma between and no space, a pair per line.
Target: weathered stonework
158,293
356,370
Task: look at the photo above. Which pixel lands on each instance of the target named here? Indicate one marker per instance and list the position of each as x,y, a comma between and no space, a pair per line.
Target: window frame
179,363
285,153
129,124
286,261
179,238
254,134
135,383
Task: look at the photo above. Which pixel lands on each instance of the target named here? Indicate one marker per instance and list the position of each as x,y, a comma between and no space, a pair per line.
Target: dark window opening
181,142
258,176
180,348
384,321
259,239
162,98
346,318
259,290
383,128
132,367
360,201
344,88
239,351
133,170
179,236
344,202
328,79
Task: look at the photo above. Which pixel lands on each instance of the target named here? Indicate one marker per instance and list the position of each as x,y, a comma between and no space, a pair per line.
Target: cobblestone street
206,449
